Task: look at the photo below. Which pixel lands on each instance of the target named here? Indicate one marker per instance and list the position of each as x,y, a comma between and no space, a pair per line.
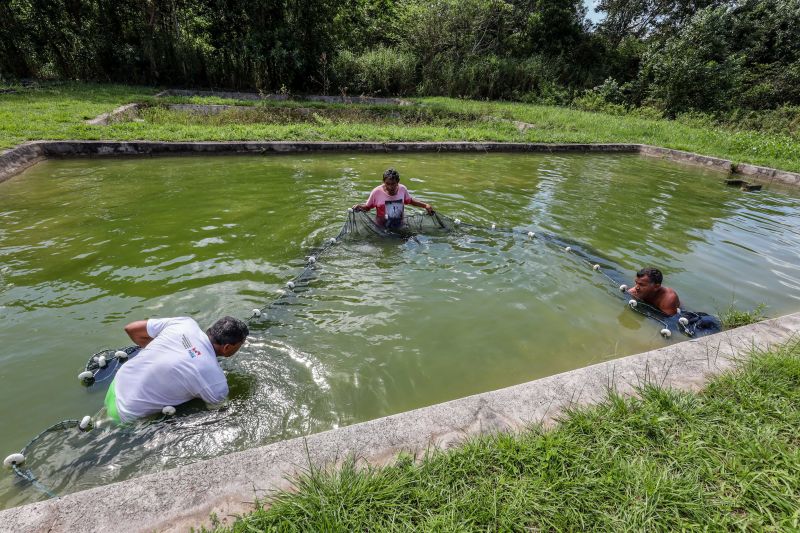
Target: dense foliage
673,56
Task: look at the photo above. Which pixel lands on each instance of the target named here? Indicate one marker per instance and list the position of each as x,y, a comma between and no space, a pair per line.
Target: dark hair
653,274
228,330
391,174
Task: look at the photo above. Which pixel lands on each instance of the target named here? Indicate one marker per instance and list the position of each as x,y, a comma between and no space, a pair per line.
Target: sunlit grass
726,458
59,112
733,317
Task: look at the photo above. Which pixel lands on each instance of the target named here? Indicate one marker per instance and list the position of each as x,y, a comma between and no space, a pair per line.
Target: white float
632,303
312,260
531,235
568,249
290,285
684,321
168,410
256,312
86,374
121,354
101,361
666,333
623,288
13,459
596,267
85,422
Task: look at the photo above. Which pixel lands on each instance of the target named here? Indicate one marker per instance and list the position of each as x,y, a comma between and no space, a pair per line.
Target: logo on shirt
192,351
394,213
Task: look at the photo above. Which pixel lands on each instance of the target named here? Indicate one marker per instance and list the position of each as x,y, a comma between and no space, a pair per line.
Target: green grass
732,317
58,112
725,458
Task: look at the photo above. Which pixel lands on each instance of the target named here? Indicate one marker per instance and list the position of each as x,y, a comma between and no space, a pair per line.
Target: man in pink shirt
388,199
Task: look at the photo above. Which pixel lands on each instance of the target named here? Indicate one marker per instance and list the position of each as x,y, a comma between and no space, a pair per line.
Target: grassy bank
58,112
724,458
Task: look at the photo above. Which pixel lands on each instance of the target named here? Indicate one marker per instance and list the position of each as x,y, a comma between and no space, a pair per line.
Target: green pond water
88,245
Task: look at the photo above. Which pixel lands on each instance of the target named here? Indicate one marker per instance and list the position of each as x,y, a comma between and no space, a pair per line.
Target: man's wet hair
653,274
228,330
391,174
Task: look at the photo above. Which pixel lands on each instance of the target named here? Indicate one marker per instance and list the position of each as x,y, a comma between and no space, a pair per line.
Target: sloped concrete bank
17,159
744,169
181,498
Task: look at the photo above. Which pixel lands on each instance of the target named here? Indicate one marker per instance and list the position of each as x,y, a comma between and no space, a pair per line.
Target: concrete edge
11,161
105,118
745,169
17,159
177,499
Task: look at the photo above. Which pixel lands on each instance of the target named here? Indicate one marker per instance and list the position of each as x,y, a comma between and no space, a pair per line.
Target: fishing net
362,224
689,323
359,225
103,365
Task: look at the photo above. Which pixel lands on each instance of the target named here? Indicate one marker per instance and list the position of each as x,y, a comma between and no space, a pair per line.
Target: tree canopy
674,55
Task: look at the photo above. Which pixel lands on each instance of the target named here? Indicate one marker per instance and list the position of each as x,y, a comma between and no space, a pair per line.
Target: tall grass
725,458
733,317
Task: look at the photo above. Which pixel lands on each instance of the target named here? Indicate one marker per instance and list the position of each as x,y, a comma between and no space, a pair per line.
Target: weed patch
725,458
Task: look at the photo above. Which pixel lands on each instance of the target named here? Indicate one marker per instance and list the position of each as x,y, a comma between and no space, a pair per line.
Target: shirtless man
649,290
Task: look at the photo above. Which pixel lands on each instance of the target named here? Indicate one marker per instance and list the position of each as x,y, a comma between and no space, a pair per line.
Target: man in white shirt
178,362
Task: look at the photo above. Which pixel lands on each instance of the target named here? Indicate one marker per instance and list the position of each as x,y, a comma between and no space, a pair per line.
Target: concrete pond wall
17,159
184,497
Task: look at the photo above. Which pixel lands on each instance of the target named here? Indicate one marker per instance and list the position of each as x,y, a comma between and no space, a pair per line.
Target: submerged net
103,365
362,224
689,323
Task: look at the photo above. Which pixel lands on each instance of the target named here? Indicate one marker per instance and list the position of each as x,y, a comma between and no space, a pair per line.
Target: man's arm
137,331
426,207
369,205
215,397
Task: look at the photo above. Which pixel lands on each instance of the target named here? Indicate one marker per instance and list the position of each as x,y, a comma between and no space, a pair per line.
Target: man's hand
429,209
137,331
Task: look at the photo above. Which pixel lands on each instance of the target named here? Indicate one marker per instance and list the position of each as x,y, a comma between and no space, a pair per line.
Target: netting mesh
689,323
103,365
361,224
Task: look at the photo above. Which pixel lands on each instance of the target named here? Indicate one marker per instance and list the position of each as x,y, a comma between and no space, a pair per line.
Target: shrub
385,71
606,98
733,317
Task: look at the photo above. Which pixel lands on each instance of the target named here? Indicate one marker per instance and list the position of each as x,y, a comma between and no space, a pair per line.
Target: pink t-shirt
388,207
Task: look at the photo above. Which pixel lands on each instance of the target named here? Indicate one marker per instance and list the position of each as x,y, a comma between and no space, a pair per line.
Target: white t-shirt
178,365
